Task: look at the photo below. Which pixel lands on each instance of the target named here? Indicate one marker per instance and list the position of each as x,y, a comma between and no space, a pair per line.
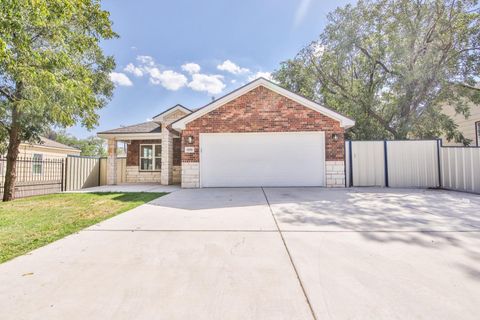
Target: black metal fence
35,176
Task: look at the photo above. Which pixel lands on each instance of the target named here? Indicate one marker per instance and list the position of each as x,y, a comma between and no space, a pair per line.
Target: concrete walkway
273,253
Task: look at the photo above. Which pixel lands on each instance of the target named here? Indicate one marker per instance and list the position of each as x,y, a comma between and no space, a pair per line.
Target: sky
187,52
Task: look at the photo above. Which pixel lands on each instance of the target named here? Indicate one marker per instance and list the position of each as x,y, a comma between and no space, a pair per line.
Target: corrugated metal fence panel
121,170
412,164
368,163
103,171
82,173
461,169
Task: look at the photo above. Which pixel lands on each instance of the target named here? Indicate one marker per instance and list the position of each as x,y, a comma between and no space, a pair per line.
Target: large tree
91,146
52,69
392,65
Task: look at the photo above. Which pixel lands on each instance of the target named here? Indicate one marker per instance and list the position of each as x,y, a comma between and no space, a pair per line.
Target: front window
150,157
37,163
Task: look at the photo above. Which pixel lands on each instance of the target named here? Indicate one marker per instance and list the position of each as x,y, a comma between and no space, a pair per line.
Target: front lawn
29,223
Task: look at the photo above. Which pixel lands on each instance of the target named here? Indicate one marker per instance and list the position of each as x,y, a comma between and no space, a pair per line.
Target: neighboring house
258,135
46,149
470,127
38,163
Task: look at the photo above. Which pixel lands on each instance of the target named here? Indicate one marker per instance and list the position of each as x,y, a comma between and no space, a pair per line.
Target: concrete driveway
273,253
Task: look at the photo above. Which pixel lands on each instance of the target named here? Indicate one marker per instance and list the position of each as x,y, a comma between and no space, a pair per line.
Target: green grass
29,223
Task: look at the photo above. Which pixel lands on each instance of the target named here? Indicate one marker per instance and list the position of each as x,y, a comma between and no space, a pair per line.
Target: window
37,164
150,157
477,131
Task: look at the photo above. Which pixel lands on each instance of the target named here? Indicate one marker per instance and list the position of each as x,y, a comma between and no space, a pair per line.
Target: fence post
385,161
350,164
66,173
439,145
62,188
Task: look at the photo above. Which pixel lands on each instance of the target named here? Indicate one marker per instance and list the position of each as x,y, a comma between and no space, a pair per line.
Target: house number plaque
189,149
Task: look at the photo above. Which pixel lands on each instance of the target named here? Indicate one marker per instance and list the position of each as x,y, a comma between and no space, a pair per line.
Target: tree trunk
12,154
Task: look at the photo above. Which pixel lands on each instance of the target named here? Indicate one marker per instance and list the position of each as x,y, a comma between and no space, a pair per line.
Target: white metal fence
460,168
412,163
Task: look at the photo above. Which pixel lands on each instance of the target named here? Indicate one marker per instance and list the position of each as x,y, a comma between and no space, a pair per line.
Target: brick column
112,162
166,174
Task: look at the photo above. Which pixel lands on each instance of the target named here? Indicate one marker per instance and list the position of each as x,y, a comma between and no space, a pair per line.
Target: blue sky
185,52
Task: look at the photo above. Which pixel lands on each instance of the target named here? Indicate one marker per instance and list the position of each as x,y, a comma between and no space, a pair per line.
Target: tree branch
7,94
380,63
343,92
464,85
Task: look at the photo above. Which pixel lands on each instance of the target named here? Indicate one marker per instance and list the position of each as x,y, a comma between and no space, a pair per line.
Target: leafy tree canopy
392,65
52,69
91,146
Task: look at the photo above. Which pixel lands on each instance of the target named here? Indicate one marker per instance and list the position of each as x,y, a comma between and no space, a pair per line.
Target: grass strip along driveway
29,223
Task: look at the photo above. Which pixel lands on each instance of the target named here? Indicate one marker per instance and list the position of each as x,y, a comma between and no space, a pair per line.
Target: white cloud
191,67
231,67
146,60
260,74
131,68
301,12
213,84
168,79
120,79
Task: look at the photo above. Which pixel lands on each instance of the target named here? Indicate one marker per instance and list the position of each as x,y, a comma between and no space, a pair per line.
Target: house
37,161
46,148
470,127
258,135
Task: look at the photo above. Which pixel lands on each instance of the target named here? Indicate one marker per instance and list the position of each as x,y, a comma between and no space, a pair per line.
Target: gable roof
48,143
160,116
144,127
344,121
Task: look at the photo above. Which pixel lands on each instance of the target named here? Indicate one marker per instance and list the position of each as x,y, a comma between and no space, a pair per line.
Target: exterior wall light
335,137
190,139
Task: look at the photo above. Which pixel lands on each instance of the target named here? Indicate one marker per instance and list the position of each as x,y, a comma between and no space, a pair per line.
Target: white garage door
262,159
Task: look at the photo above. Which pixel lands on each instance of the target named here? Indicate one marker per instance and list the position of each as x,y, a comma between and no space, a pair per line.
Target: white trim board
344,121
161,116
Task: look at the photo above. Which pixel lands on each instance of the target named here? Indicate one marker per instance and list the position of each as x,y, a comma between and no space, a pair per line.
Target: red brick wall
262,110
133,150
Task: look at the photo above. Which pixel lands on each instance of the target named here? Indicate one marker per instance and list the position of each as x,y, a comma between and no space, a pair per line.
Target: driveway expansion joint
290,258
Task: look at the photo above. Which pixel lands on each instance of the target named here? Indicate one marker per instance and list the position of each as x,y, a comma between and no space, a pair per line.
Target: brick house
258,135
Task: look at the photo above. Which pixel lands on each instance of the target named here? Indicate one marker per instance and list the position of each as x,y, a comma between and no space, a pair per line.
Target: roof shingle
145,127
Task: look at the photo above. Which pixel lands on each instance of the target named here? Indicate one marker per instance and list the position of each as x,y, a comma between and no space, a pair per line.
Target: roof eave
129,136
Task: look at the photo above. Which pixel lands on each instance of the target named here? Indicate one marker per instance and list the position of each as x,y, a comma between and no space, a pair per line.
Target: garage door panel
262,159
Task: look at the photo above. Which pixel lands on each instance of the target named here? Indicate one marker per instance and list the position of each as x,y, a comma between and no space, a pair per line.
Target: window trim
37,162
153,145
477,133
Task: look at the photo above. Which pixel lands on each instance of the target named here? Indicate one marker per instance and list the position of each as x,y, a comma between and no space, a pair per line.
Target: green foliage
52,69
91,146
391,65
